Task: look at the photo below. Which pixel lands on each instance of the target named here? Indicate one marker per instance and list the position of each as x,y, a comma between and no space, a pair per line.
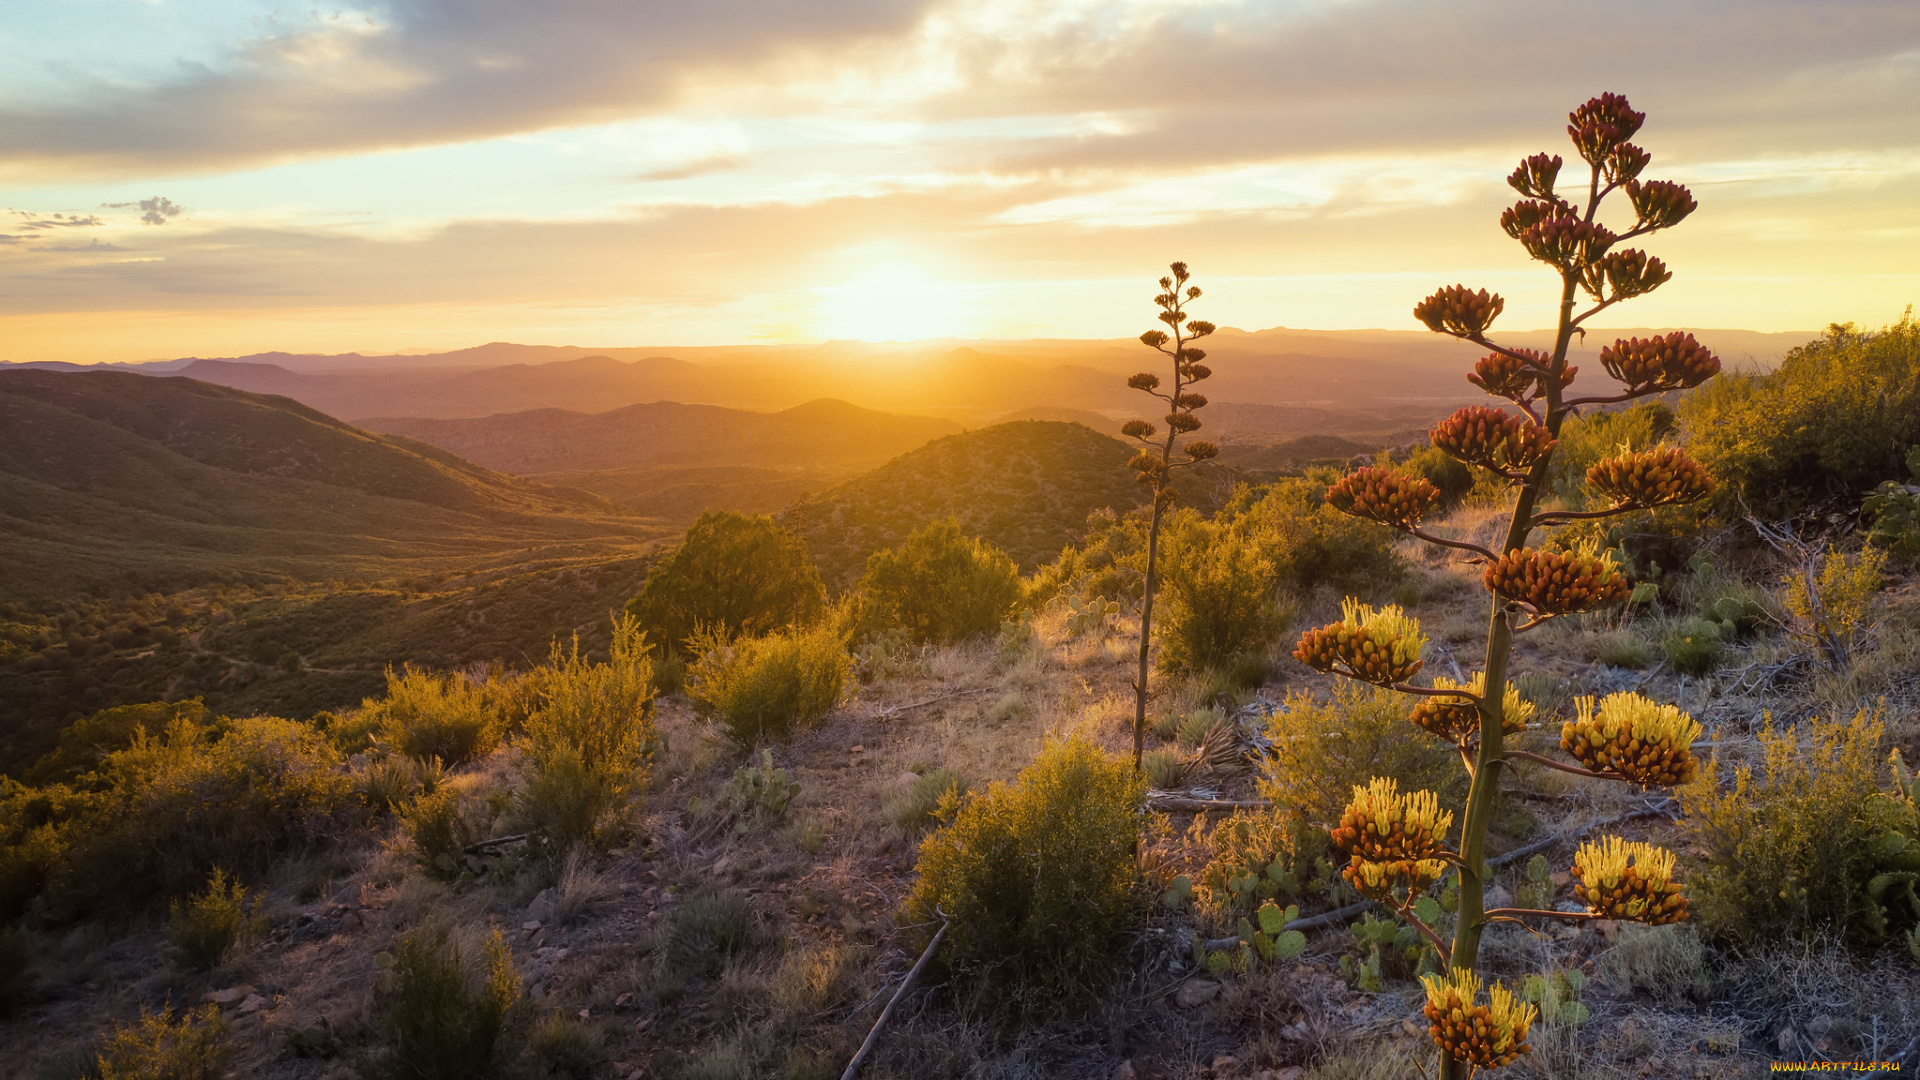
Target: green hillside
1026,486
170,538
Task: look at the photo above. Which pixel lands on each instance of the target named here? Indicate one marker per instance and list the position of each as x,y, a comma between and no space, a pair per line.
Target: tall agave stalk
1155,462
1396,842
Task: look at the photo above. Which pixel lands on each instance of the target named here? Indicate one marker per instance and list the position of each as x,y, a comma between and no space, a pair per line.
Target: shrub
763,688
1835,418
709,927
1589,437
1323,749
438,827
1037,877
1893,512
733,575
589,742
393,779
1254,857
202,931
443,1017
1623,649
1165,770
1111,560
940,585
567,1048
87,741
1692,646
1221,596
1831,601
425,715
919,807
194,1047
1432,464
1668,962
1803,845
760,793
1309,542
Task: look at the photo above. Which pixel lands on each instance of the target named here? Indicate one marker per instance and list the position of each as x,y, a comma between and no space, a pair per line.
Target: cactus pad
1632,881
1557,582
1643,741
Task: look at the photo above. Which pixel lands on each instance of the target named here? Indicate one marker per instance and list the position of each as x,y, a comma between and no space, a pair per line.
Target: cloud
154,211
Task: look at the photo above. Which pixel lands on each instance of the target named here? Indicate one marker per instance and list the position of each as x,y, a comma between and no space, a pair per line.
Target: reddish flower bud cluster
1602,124
1645,742
1527,213
1557,582
1459,311
1393,881
1649,478
1628,881
1669,362
1201,450
1622,275
1509,377
1624,163
1566,242
1492,438
1457,720
1391,498
1660,204
1486,1036
1535,176
1137,429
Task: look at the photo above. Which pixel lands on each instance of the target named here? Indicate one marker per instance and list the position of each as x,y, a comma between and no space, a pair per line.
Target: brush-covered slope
1026,486
818,433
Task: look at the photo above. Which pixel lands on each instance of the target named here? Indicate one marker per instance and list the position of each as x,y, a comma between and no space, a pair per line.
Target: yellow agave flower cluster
1487,1035
1632,881
1657,477
1457,720
1380,824
1642,740
1381,647
1392,882
1557,582
1392,498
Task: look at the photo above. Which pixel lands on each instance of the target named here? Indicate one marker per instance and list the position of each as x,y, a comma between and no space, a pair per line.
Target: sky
221,177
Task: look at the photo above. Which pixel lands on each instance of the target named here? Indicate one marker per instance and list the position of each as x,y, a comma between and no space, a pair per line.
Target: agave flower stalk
1624,737
1155,463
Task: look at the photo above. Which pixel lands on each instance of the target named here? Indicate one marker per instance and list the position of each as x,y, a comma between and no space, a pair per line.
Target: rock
1498,896
858,749
230,995
539,938
352,921
541,910
1195,992
1786,1039
1225,1065
253,1004
1124,1071
1561,879
1609,928
530,928
1291,1072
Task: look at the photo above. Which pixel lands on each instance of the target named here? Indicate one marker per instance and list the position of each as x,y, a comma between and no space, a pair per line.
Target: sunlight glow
894,302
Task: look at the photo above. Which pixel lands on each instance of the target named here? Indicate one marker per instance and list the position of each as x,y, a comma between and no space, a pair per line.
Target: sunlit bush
443,1016
589,742
1221,596
203,930
1037,877
734,575
1324,748
1309,542
941,585
759,689
430,715
157,1047
1833,601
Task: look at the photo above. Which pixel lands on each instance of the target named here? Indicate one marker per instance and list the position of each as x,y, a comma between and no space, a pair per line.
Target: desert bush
1588,437
1831,599
1623,648
162,813
157,1047
392,779
761,793
1692,646
1810,842
1309,542
733,575
566,1047
440,830
1892,512
1192,731
1835,418
1037,877
87,741
1110,560
708,927
940,585
1324,748
202,931
810,981
1254,857
759,689
589,742
444,1017
1668,962
428,715
1165,770
919,806
1221,596
886,655
1453,480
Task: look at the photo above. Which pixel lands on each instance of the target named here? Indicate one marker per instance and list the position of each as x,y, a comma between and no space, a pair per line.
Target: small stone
858,749
1786,1039
352,921
230,995
1498,896
1609,928
1561,879
541,910
1124,1071
253,1004
1410,1028
586,1014
539,939
1195,992
1225,1065
560,954
621,1001
1291,1072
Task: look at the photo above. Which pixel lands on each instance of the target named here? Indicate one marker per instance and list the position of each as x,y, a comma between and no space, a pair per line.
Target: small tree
735,575
1155,462
1397,842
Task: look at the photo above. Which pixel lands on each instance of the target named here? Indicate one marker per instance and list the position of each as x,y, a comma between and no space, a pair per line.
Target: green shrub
437,824
1110,560
567,1048
941,586
708,927
1310,543
1037,877
393,779
86,742
1893,513
1256,856
886,655
1324,748
1587,438
1809,843
425,715
1193,730
763,688
202,931
1452,478
194,1047
443,1017
1220,596
760,793
919,807
1623,648
589,741
1165,770
733,575
1692,646
1837,417
1832,601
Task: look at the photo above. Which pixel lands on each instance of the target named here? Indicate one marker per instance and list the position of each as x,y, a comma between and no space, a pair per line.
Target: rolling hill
1026,486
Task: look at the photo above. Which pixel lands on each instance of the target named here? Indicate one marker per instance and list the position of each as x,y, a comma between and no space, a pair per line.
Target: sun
894,302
